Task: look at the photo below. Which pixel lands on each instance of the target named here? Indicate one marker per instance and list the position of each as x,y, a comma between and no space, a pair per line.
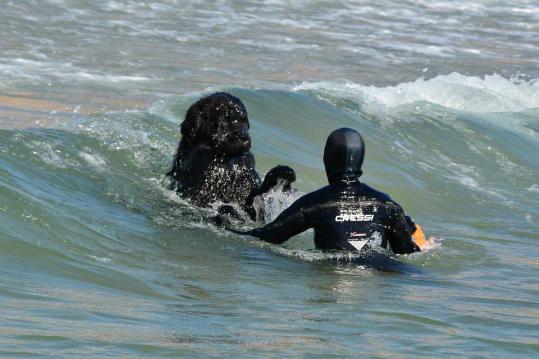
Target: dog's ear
190,127
201,120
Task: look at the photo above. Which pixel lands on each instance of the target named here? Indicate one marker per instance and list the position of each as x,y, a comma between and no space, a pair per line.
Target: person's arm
400,238
290,222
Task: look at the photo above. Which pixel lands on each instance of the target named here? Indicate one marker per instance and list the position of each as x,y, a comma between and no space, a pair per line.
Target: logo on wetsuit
354,217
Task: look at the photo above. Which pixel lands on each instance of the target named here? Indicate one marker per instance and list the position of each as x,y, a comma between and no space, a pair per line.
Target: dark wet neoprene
346,213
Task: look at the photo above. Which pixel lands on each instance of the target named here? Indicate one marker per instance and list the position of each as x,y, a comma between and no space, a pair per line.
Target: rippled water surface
99,259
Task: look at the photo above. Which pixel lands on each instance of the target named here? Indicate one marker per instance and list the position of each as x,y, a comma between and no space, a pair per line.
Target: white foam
492,93
48,154
106,78
15,71
38,70
466,6
95,161
432,243
309,255
101,259
285,45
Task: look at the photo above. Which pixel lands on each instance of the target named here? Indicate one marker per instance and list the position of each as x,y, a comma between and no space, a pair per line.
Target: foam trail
492,93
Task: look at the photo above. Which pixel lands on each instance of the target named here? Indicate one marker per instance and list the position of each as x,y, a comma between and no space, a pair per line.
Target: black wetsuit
347,214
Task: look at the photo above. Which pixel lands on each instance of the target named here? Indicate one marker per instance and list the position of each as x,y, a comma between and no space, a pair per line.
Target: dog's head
218,121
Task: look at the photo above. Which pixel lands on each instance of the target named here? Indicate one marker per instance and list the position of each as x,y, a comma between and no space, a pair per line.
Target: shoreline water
26,110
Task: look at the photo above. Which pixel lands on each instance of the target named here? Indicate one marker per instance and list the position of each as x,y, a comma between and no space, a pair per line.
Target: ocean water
99,259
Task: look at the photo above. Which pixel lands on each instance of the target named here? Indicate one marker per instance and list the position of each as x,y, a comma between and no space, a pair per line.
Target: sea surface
99,259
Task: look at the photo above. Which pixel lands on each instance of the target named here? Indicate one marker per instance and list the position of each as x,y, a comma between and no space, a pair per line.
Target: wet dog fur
214,162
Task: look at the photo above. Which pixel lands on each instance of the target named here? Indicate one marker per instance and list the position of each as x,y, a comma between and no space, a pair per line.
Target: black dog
214,162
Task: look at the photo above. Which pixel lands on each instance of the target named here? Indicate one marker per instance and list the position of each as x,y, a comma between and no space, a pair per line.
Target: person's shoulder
379,195
315,196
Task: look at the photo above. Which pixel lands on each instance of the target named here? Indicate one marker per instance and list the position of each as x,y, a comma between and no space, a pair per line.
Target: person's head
343,155
218,121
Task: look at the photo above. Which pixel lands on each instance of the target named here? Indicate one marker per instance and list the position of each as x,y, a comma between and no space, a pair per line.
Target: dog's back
206,178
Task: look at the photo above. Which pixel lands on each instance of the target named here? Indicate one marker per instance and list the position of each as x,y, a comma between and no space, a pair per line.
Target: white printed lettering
354,217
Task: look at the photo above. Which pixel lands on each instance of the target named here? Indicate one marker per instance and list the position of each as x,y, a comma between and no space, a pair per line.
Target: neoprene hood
344,155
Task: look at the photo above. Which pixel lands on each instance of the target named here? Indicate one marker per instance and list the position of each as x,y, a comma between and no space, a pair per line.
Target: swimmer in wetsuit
347,214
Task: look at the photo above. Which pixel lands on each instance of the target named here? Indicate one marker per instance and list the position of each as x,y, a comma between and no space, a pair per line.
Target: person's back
346,214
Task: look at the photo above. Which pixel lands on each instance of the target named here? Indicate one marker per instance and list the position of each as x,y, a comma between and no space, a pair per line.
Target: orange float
419,236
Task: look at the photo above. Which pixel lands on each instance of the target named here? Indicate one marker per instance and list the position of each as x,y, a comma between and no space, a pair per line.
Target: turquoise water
100,259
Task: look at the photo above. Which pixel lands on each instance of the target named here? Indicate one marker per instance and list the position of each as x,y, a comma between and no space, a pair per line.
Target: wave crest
492,93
